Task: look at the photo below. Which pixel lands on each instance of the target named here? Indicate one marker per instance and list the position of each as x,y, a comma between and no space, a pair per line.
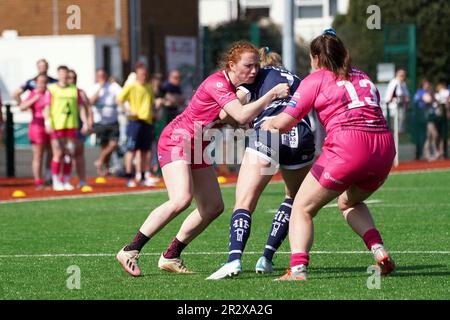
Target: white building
311,16
83,53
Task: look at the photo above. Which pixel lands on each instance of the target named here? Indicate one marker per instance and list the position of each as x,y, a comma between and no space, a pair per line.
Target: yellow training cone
100,180
86,189
221,179
18,194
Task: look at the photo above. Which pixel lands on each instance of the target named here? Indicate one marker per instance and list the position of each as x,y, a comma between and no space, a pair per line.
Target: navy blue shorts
81,136
106,133
139,135
292,150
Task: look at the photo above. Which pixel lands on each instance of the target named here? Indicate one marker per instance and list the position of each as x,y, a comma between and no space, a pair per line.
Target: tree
432,20
221,37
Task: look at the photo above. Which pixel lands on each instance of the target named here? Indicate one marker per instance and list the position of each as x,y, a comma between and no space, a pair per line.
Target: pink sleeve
221,92
30,95
48,98
304,98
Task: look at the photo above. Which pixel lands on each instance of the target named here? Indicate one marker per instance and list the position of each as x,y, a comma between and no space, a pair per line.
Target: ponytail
332,54
268,58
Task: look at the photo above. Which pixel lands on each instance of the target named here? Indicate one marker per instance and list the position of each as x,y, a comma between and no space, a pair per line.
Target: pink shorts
172,148
355,157
64,133
37,134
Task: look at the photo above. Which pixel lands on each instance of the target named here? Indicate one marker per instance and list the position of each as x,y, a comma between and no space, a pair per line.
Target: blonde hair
269,58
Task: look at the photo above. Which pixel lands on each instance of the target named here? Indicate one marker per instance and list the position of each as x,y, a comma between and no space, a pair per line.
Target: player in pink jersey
39,139
357,154
187,173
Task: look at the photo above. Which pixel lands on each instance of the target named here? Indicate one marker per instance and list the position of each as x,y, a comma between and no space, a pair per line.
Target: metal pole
255,36
133,32
9,142
118,17
55,17
288,36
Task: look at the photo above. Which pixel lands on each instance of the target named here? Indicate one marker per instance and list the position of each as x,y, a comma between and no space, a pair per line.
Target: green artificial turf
40,240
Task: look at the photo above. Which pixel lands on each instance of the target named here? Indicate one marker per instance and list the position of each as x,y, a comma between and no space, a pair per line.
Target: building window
333,8
254,14
310,11
107,59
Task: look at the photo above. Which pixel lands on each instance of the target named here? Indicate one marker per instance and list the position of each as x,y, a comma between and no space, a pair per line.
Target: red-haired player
187,174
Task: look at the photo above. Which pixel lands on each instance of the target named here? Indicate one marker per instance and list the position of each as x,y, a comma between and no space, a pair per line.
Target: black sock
279,229
129,176
174,250
138,242
239,232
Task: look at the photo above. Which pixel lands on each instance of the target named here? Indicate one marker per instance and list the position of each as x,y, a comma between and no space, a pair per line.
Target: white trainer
131,183
58,186
229,269
296,273
264,265
68,186
175,265
149,182
129,261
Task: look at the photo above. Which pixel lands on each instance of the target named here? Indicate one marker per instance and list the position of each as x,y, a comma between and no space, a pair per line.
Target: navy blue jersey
30,85
267,78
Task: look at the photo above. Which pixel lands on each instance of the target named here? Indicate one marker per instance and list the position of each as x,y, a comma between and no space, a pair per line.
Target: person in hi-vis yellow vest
61,121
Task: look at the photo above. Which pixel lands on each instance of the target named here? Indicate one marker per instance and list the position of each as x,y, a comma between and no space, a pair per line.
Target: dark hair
139,65
63,68
235,51
103,70
332,54
42,75
74,73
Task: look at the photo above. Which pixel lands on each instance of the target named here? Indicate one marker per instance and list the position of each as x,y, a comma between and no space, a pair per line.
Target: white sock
138,176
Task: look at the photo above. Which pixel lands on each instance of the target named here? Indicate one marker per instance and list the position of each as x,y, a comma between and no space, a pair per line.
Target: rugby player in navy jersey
29,85
293,152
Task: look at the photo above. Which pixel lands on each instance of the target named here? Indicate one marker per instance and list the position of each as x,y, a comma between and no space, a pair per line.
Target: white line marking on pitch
65,255
334,205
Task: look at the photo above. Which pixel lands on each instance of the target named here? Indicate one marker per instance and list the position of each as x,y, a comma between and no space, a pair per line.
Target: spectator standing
82,132
36,101
424,98
2,125
62,122
442,97
29,85
397,97
159,116
106,122
173,95
139,95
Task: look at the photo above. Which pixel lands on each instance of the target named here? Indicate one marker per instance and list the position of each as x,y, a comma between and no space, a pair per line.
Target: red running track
117,185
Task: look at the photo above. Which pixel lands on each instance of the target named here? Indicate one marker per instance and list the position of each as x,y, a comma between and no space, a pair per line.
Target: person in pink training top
39,138
357,154
187,173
